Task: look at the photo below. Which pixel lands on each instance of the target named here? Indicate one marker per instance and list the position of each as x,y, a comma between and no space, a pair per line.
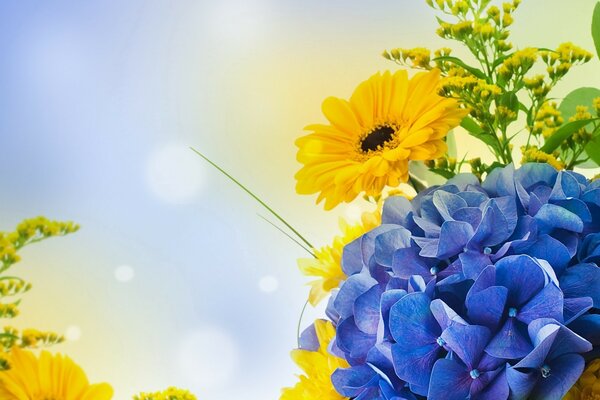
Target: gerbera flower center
377,138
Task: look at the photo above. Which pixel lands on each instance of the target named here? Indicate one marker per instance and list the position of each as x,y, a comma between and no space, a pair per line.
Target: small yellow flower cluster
474,92
519,63
13,286
418,57
9,310
547,120
533,154
29,231
537,86
582,136
596,104
588,385
567,55
171,393
28,338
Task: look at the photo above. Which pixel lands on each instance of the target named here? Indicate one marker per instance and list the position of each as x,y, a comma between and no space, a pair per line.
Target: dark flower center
377,137
546,371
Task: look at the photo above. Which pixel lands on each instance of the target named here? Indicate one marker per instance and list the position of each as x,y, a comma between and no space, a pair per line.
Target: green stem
255,197
289,236
300,322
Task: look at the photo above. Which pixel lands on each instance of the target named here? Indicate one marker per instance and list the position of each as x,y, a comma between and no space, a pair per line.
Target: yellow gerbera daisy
327,263
588,385
318,367
389,120
47,377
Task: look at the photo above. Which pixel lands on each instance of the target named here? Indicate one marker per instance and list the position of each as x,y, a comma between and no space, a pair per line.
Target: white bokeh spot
124,273
268,284
73,333
175,174
208,358
235,21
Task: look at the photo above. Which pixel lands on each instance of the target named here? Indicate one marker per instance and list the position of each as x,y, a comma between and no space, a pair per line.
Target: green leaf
568,107
596,27
475,130
579,97
563,133
457,61
443,172
593,149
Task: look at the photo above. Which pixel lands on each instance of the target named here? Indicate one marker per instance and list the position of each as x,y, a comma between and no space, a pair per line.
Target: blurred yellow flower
327,263
47,377
171,393
588,386
389,120
318,367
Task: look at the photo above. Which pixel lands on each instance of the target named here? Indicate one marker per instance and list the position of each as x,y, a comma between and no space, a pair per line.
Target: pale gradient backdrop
173,278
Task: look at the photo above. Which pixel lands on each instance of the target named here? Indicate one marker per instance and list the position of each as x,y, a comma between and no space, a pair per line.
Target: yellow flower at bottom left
317,366
47,376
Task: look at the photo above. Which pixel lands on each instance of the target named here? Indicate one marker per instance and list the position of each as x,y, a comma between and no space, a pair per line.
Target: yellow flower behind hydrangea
388,121
47,377
171,393
318,367
588,385
327,265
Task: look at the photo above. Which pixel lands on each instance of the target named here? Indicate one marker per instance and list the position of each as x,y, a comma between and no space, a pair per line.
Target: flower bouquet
486,285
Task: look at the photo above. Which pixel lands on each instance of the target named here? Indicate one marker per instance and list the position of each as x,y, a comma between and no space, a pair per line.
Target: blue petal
444,315
453,238
565,371
486,307
407,263
472,215
367,243
588,327
353,287
412,322
547,303
473,199
564,341
577,207
495,387
473,262
450,380
366,310
531,174
388,242
521,383
352,257
467,341
522,276
566,186
414,364
582,280
552,217
447,204
353,341
388,299
350,382
576,307
511,342
549,249
308,339
397,210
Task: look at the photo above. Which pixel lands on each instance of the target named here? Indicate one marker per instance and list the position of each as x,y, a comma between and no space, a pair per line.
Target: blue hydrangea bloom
473,290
